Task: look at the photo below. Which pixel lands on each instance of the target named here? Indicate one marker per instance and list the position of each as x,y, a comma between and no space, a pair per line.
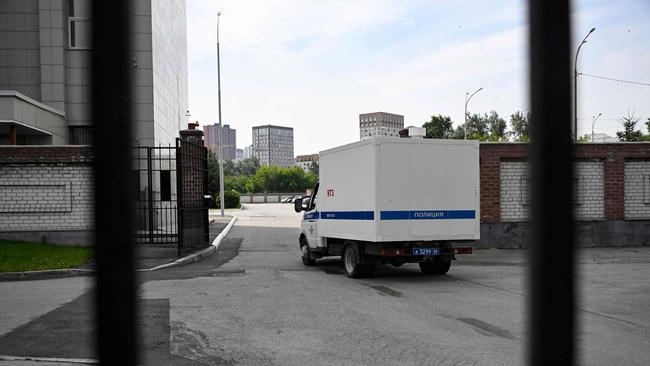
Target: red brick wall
45,154
613,155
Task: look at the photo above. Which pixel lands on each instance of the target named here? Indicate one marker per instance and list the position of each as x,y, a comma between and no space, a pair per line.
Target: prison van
393,201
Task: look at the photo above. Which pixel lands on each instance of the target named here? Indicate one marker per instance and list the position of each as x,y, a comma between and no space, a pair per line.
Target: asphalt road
265,307
254,303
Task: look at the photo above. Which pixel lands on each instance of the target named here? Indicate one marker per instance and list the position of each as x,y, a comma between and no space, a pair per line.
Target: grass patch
19,256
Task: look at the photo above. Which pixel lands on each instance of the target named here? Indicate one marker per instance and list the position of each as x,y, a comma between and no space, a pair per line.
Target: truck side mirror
297,204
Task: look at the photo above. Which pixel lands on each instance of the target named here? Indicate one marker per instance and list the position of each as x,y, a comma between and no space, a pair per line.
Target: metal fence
170,183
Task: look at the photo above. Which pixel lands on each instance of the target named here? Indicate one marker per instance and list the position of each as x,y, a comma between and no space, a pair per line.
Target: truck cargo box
400,189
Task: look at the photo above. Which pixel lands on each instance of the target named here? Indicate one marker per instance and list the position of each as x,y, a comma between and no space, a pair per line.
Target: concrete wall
168,42
46,194
266,197
20,66
53,42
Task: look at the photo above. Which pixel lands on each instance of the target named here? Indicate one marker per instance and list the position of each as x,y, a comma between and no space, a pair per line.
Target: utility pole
222,203
466,102
592,126
575,88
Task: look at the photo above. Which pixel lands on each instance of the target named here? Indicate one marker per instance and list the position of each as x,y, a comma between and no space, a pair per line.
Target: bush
231,197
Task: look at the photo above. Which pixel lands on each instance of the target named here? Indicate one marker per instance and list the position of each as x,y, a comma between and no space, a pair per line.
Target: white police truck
395,201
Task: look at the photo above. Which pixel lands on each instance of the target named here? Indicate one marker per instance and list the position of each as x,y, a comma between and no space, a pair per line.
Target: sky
315,65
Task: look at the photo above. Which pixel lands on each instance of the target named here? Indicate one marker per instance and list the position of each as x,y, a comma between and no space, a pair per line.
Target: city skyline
319,66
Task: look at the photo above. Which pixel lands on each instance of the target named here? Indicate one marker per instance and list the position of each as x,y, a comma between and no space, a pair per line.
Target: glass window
79,23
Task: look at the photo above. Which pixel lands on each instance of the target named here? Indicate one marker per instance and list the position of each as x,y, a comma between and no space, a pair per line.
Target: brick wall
600,168
514,192
46,189
637,189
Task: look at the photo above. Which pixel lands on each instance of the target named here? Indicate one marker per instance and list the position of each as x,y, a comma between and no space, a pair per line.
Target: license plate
426,251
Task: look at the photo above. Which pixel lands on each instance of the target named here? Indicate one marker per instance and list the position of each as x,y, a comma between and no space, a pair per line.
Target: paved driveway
265,307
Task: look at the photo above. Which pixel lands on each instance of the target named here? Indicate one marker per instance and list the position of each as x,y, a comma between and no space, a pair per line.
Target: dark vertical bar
552,302
206,221
111,108
12,135
179,197
150,193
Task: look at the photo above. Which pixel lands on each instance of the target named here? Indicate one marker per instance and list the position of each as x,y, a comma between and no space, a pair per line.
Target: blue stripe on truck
393,215
347,215
428,215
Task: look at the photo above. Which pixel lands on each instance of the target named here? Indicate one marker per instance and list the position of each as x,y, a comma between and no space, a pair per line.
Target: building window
79,23
81,135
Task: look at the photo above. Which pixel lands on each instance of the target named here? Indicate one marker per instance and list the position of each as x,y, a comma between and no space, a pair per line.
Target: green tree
229,169
584,139
213,174
629,133
458,133
477,128
439,127
248,166
496,127
520,123
314,168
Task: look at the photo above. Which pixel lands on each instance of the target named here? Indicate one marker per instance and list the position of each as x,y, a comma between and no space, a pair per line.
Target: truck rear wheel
307,258
436,267
352,263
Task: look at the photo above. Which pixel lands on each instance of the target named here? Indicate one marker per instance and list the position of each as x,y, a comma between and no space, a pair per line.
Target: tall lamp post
575,88
221,200
594,118
466,102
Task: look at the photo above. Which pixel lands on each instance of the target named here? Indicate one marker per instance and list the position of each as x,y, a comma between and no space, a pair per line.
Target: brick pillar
615,187
490,175
193,214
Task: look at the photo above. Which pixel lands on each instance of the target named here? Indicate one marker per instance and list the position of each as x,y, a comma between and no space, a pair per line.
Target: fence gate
170,208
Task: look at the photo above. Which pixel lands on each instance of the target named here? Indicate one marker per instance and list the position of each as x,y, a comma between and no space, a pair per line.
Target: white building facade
380,124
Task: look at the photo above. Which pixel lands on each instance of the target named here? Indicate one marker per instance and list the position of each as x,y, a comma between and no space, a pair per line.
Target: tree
458,133
314,168
477,128
496,127
629,133
440,127
585,138
213,174
520,126
249,166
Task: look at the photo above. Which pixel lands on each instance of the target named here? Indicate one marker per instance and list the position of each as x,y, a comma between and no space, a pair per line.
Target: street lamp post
466,102
221,195
594,118
575,88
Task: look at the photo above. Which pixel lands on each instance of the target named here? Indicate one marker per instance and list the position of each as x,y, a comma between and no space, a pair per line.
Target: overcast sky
316,65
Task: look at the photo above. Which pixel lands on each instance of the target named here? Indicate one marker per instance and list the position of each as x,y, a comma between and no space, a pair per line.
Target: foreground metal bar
115,301
551,283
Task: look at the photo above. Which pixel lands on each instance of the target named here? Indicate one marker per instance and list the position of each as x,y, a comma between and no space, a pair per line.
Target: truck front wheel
436,267
352,263
307,258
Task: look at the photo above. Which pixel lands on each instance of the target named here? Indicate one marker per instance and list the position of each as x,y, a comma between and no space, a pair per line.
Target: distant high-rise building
211,133
273,145
248,152
305,161
380,124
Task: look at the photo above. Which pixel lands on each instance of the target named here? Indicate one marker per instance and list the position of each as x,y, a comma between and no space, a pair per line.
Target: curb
45,274
84,361
73,272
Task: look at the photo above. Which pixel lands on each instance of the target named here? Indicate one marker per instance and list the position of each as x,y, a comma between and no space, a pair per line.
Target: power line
612,79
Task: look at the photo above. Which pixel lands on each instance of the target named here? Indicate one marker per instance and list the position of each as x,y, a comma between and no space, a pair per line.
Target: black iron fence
170,184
